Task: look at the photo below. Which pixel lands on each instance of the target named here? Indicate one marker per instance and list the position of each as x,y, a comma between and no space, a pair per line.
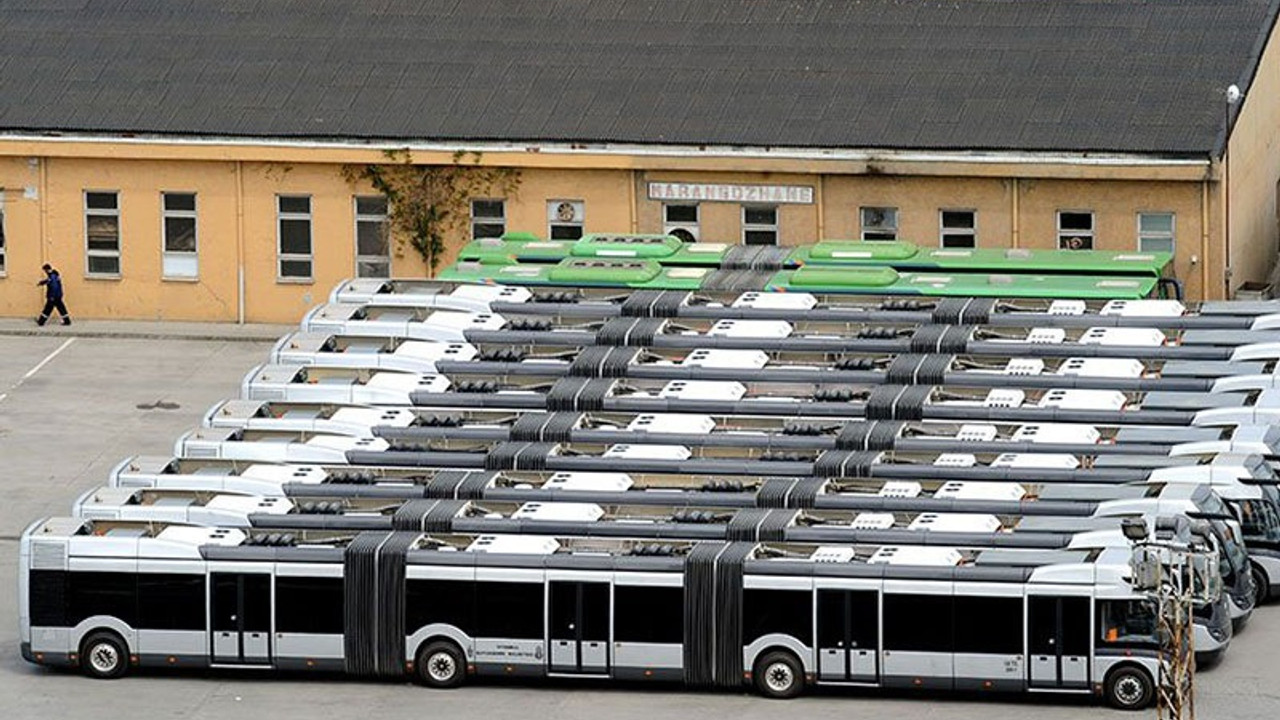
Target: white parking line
36,369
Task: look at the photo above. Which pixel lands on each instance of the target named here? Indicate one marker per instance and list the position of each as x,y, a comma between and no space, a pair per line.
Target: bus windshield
1259,519
1232,549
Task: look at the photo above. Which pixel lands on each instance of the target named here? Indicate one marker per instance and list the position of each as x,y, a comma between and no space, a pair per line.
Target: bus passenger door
848,636
579,627
240,613
1058,641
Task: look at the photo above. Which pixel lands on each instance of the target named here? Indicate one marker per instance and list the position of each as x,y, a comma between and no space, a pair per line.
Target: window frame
172,601
422,608
320,599
648,614
945,232
1104,624
1065,233
167,214
1171,236
384,220
1003,637
101,592
782,611
905,628
750,227
864,230
553,222
283,257
483,220
696,224
516,607
119,242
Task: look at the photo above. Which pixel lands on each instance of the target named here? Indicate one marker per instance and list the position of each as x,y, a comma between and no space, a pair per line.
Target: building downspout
1226,224
240,242
1015,219
43,174
822,209
634,201
1204,239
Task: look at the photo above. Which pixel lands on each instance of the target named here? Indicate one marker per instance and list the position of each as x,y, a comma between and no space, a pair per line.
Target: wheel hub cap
1129,690
779,678
441,667
103,658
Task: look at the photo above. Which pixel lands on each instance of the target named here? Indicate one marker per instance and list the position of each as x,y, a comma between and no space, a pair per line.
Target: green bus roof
649,274
900,255
816,278
582,272
907,256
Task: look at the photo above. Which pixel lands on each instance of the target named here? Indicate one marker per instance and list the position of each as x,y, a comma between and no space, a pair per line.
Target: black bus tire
1129,687
779,675
441,664
1261,586
104,655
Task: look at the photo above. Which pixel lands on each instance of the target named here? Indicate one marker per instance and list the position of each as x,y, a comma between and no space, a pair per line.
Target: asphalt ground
69,411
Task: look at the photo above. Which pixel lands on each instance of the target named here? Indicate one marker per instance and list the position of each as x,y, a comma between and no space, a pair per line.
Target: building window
958,228
681,221
488,218
102,233
294,237
1075,230
3,266
1156,232
879,223
759,225
564,219
373,244
178,215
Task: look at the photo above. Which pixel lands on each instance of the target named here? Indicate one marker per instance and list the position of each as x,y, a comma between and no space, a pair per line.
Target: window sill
180,278
295,281
110,278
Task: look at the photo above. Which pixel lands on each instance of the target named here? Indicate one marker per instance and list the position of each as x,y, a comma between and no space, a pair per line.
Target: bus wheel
441,665
778,675
1129,688
1261,586
103,656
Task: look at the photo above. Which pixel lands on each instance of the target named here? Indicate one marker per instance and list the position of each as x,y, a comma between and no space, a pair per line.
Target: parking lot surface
69,411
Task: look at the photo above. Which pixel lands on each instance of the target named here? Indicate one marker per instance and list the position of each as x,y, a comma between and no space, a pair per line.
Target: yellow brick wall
237,187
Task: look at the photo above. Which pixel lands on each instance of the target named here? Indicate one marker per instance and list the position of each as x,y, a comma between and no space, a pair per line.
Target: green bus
668,250
649,274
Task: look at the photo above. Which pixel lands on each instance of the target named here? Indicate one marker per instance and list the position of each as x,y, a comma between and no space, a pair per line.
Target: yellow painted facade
1016,201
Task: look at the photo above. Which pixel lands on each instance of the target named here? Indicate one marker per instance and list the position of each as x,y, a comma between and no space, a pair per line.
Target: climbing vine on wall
429,206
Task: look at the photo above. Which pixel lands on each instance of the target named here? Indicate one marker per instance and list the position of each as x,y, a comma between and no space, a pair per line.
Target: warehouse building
199,160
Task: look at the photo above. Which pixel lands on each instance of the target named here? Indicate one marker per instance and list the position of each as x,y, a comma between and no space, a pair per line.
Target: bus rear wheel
441,665
1129,688
779,675
103,656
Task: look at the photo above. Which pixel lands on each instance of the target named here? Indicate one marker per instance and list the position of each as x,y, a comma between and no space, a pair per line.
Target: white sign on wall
770,194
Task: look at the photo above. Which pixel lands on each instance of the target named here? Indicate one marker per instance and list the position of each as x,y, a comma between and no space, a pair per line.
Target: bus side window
1126,622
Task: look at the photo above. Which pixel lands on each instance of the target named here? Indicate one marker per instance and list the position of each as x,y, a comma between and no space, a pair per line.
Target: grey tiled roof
1068,75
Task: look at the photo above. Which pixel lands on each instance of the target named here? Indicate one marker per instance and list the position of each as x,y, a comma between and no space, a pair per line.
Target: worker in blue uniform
52,283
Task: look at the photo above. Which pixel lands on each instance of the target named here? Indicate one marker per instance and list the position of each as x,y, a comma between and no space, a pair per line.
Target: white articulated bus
110,596
1093,526
1244,483
596,303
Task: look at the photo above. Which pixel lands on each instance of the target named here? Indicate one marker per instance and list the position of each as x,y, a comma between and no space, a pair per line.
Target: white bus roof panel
514,545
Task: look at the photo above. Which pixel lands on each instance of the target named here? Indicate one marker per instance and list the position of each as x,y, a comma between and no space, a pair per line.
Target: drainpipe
240,242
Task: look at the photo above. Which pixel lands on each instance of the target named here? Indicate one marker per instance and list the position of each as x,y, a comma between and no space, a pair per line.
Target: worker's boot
42,319
66,319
